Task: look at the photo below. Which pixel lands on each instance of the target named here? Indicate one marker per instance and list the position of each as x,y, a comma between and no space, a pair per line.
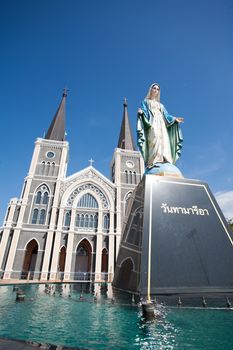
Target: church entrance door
83,261
30,258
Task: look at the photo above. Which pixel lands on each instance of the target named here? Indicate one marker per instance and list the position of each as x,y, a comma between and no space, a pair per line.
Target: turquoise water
101,324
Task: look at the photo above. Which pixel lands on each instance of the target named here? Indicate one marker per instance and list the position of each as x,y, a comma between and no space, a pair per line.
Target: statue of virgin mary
158,133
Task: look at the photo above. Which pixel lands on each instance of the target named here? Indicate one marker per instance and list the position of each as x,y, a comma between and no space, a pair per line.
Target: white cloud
225,201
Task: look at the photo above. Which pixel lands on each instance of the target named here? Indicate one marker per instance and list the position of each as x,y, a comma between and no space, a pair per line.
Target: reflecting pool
93,317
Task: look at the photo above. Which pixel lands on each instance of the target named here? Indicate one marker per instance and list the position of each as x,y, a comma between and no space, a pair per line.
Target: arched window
126,176
135,177
87,201
127,200
52,168
91,221
82,221
77,220
38,197
106,222
130,177
35,216
43,167
47,168
67,219
42,217
95,221
86,221
45,198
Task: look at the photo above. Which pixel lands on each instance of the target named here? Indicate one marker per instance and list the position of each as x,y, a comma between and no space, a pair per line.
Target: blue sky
104,51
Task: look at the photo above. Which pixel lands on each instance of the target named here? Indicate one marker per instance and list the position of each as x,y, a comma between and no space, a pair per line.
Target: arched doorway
62,260
104,261
30,258
83,261
126,274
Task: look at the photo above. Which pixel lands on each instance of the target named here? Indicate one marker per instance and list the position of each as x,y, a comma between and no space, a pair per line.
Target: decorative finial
65,91
125,101
91,161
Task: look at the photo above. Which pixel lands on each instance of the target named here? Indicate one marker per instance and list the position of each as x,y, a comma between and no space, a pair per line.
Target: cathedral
68,228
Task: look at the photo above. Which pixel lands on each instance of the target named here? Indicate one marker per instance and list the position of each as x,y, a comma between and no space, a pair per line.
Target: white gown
158,140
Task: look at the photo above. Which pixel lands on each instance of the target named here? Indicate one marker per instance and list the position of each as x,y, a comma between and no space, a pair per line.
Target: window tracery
41,201
88,186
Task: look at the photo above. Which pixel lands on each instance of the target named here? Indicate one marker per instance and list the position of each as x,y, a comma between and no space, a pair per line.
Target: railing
59,276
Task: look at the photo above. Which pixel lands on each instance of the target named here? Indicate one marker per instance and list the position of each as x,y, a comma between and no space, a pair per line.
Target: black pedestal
175,241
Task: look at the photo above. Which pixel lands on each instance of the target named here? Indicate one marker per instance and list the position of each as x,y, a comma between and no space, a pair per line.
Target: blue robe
172,127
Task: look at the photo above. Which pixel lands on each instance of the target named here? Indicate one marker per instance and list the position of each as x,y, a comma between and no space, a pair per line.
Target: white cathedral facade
68,228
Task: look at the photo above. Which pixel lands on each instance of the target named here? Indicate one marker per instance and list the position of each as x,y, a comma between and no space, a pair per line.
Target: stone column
57,243
118,192
118,240
15,238
98,257
69,252
111,241
48,248
3,244
11,255
55,257
111,248
6,230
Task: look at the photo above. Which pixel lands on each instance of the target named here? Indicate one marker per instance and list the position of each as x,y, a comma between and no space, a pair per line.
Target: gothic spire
126,137
56,130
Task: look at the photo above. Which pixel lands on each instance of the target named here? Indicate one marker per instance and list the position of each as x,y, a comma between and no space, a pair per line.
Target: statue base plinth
175,241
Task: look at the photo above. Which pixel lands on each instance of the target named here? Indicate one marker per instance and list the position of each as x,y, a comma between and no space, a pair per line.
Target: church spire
56,130
126,137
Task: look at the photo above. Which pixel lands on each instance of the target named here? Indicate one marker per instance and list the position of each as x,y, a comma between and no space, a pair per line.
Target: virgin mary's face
154,92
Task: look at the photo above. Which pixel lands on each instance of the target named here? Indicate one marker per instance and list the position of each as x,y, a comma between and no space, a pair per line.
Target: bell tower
37,207
127,168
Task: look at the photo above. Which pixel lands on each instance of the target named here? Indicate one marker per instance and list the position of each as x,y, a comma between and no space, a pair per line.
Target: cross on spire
91,161
65,91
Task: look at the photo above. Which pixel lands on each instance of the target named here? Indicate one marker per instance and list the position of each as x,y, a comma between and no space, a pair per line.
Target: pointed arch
128,262
86,239
87,201
45,198
62,259
35,213
126,176
134,177
67,218
83,259
130,177
30,256
126,199
38,197
32,239
126,274
42,187
106,222
77,189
